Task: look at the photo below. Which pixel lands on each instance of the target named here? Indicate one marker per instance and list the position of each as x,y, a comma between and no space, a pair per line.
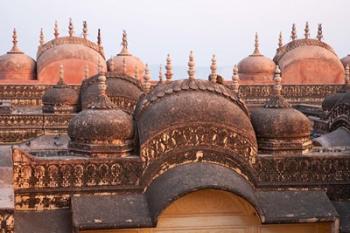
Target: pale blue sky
158,27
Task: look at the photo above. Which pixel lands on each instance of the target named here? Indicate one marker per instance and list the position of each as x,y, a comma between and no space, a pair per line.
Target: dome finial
85,29
147,78
56,32
102,87
86,72
347,74
191,67
124,43
136,72
160,75
70,28
319,32
235,79
124,66
42,39
61,76
293,35
277,88
213,74
256,45
307,30
168,69
14,48
280,41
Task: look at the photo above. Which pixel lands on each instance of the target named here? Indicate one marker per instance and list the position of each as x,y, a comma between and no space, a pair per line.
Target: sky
158,27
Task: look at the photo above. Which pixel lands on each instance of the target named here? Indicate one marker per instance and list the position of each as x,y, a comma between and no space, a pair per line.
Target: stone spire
213,68
307,30
235,79
276,99
61,76
86,72
70,28
124,44
99,39
14,48
124,66
160,74
256,46
168,69
319,32
347,75
191,67
147,78
56,32
293,34
42,39
85,30
280,41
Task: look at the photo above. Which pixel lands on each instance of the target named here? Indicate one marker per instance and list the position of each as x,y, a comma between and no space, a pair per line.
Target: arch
184,179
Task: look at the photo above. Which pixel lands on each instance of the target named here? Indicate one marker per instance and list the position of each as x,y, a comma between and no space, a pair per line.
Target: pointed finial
56,32
235,79
277,88
99,40
136,72
280,40
102,87
42,39
14,48
307,30
191,67
213,74
168,69
347,74
160,75
256,45
86,72
61,76
124,66
293,35
319,32
70,28
124,43
147,78
85,30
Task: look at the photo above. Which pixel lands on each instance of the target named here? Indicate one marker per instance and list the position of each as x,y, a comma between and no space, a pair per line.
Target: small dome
346,60
60,98
123,91
309,61
280,128
101,130
125,64
15,66
256,68
74,53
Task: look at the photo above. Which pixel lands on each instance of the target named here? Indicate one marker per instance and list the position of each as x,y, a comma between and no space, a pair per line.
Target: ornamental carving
198,136
6,221
339,116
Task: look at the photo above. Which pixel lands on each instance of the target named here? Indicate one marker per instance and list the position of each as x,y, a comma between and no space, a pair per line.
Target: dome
346,60
123,91
256,68
101,130
194,113
301,60
15,66
60,98
75,53
125,64
280,128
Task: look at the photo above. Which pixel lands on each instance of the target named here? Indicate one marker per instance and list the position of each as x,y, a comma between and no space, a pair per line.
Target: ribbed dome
256,68
123,91
15,66
309,61
60,98
280,128
194,113
101,130
75,53
125,64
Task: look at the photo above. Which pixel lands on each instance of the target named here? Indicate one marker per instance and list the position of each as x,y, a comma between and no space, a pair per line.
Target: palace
98,146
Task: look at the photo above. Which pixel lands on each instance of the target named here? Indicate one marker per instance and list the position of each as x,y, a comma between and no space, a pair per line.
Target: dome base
287,146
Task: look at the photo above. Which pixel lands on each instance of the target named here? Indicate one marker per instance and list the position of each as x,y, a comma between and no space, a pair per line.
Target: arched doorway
216,211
